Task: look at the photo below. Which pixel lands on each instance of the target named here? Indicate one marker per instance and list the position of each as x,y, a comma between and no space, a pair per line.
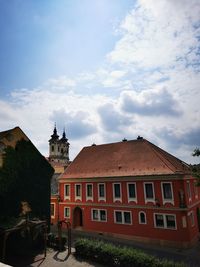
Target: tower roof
64,138
131,158
54,136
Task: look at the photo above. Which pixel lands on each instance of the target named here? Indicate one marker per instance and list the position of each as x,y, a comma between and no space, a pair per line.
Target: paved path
61,260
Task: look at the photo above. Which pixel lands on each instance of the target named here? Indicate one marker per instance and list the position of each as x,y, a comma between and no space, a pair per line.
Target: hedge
116,256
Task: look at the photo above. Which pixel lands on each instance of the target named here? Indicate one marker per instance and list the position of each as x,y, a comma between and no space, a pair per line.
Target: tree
196,152
25,176
196,167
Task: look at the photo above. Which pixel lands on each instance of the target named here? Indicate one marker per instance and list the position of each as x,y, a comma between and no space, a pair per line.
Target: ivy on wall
25,176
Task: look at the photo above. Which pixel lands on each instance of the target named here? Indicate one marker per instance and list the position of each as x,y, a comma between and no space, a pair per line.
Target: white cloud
148,86
158,33
61,83
150,103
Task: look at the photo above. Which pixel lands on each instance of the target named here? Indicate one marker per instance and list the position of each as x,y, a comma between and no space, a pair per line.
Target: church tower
58,148
64,147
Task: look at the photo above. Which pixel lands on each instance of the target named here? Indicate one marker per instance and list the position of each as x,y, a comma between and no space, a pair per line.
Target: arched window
52,148
142,217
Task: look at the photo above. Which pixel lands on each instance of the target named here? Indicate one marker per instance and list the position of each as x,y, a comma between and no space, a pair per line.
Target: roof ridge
106,144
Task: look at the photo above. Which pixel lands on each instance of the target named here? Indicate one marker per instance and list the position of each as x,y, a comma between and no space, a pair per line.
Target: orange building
132,189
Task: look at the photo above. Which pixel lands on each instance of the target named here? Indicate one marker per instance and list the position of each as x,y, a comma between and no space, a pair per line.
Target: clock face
2,147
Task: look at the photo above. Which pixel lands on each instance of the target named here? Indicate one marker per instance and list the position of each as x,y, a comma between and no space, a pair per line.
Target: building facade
59,160
132,189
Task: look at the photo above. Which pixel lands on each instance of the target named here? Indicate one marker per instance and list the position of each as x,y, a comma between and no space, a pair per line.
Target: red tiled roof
129,158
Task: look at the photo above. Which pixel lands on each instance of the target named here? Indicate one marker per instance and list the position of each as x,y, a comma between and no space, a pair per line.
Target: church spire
54,136
64,139
59,148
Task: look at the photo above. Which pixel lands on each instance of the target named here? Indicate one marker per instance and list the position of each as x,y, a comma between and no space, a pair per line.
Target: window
195,189
170,221
101,192
53,210
66,212
118,216
159,220
191,217
117,192
131,192
142,217
95,215
123,217
99,215
67,191
78,191
189,193
166,221
52,148
127,217
89,192
149,192
167,193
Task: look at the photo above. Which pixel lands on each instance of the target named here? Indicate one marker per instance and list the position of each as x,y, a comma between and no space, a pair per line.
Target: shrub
116,256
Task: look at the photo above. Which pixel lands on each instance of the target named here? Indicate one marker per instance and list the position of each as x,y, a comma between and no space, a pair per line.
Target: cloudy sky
104,70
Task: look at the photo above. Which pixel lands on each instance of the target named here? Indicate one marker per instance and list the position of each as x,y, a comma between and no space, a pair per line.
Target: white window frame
99,215
196,192
117,198
191,218
189,191
86,191
164,221
140,222
54,210
99,197
66,197
123,217
132,198
78,197
145,197
67,217
167,200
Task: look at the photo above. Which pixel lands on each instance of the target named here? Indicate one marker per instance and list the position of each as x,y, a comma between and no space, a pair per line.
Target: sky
103,70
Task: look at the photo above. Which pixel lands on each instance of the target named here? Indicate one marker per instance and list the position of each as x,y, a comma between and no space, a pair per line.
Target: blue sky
45,39
104,70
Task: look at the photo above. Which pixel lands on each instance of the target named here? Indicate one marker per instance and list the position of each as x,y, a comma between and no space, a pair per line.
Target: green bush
116,256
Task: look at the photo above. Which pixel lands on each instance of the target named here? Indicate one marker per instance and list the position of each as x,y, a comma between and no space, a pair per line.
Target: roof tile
130,158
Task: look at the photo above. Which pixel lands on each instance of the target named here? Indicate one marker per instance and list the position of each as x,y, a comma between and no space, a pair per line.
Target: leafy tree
196,168
25,176
196,152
